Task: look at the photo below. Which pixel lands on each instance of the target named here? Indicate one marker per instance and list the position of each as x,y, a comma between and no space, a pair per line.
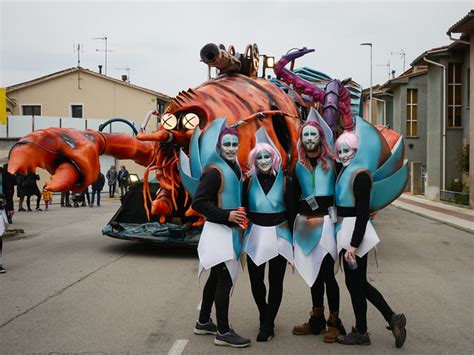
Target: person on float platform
268,238
356,237
218,197
314,241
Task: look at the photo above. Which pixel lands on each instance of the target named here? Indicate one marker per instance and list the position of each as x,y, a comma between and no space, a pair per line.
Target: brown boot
335,328
316,324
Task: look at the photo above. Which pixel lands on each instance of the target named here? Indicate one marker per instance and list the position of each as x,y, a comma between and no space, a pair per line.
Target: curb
454,225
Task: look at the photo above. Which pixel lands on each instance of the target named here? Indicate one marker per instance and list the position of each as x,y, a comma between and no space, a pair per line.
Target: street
68,289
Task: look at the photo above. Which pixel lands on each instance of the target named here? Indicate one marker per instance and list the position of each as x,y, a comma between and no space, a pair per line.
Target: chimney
124,78
100,69
393,74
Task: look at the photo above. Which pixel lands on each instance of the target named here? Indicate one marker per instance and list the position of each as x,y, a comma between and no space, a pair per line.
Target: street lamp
370,92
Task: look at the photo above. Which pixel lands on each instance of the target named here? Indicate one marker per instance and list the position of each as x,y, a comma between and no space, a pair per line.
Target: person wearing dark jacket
123,176
9,182
354,202
20,182
30,188
221,209
112,180
314,244
266,195
97,187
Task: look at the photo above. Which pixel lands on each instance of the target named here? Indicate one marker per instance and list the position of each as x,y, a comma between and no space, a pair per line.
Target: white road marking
178,347
199,306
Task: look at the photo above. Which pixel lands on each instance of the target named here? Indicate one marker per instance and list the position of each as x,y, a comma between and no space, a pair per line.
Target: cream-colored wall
101,99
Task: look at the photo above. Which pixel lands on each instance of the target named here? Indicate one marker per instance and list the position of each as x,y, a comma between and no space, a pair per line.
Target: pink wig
324,148
260,147
348,138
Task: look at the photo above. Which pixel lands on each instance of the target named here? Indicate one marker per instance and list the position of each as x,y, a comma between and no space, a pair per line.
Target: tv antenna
104,38
402,54
388,67
79,48
127,69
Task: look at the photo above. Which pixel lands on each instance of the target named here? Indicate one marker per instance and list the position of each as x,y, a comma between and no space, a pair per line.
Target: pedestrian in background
123,179
65,199
20,181
112,180
47,197
3,218
97,187
31,189
85,196
9,182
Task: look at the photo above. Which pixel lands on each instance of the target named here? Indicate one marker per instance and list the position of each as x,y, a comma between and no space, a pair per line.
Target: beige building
83,94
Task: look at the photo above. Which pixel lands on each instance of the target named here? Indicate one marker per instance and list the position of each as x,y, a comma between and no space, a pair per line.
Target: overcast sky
160,41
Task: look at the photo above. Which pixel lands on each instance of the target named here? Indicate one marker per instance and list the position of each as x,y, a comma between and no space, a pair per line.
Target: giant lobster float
247,101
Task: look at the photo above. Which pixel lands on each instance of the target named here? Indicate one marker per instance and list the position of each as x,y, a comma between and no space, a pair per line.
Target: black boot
266,332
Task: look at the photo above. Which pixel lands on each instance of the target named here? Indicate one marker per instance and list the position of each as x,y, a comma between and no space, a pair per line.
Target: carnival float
161,212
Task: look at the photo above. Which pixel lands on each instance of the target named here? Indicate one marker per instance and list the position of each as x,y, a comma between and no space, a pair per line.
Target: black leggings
361,290
38,199
276,273
217,289
326,276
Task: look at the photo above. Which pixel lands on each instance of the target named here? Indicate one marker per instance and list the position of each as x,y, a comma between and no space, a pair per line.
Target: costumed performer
218,198
356,237
268,238
314,240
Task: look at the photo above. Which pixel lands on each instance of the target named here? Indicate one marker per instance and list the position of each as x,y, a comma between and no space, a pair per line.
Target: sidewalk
457,217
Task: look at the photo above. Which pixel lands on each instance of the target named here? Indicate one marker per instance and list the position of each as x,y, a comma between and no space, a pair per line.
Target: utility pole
370,92
104,38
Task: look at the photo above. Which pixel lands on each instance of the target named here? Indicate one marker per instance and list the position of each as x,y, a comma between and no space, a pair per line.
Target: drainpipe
457,40
444,118
384,122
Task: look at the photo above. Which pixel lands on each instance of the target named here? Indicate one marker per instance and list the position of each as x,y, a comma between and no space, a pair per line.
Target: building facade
77,94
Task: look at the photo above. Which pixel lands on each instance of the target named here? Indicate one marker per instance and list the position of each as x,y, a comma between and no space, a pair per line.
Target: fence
460,198
19,126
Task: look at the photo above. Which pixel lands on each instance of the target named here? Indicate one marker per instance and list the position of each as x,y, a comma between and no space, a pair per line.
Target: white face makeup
346,154
264,161
310,138
229,147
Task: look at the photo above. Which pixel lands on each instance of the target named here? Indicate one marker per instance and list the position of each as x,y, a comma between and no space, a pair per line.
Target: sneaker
2,269
205,328
29,210
231,339
397,326
21,210
91,205
354,338
39,209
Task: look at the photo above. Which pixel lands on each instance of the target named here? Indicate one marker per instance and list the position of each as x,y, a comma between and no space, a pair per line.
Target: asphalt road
69,289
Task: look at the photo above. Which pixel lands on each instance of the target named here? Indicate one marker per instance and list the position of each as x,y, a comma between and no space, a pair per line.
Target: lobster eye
169,121
190,121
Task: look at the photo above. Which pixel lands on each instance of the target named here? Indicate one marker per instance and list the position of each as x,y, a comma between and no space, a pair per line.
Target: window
454,95
468,81
160,106
76,111
412,118
31,110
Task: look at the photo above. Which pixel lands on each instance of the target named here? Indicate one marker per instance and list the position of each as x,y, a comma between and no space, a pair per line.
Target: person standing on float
267,192
313,233
218,198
